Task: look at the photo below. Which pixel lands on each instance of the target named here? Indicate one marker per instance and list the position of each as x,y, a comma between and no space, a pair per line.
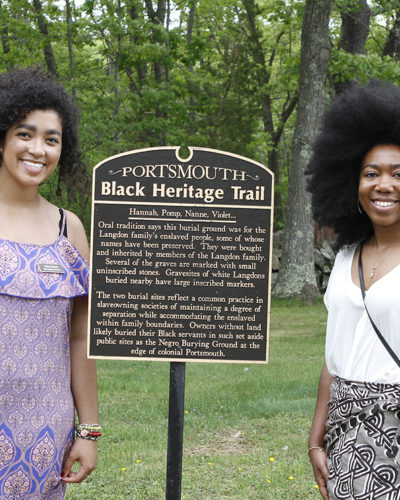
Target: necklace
374,267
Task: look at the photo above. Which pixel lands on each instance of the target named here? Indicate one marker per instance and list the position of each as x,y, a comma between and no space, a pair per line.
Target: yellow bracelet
316,448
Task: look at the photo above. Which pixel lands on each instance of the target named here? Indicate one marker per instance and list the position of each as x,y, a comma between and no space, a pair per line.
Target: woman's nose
36,148
385,183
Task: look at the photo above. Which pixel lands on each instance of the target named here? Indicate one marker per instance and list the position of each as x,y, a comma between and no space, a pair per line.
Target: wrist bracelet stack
88,431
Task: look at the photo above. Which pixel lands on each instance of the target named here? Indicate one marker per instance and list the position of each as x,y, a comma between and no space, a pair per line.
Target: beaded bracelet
88,431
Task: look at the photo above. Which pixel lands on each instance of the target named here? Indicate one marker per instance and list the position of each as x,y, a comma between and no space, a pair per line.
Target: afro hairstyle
29,89
358,120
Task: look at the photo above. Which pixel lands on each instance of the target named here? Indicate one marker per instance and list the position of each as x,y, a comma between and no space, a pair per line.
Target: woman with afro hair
44,371
354,443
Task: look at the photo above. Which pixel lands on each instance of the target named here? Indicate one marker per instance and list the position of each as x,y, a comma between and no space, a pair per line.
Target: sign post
175,430
181,265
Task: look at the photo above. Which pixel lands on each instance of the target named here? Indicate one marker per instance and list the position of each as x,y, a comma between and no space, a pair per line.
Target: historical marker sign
180,257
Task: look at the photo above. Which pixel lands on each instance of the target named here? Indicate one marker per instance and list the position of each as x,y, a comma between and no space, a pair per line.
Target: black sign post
175,430
181,265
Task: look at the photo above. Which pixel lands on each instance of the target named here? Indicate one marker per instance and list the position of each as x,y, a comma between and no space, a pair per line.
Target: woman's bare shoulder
77,234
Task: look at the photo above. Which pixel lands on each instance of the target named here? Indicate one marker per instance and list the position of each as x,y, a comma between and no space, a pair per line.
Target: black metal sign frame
181,252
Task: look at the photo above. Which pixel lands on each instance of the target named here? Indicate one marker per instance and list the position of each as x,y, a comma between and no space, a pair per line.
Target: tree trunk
141,67
189,37
48,49
4,31
296,277
392,46
157,18
115,63
353,35
263,78
69,41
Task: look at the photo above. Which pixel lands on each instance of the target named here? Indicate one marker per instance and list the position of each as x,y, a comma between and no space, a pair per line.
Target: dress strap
63,223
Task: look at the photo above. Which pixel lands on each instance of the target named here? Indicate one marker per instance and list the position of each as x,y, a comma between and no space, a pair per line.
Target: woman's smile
33,167
384,203
31,164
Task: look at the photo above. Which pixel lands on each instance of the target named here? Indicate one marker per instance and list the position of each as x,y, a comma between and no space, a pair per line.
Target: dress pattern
37,285
363,441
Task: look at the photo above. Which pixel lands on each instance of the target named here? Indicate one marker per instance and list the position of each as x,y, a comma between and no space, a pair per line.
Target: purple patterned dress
37,285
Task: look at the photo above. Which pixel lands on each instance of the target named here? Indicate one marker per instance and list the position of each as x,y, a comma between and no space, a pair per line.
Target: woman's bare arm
316,439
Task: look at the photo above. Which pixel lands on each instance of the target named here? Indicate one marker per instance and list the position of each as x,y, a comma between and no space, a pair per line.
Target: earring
360,208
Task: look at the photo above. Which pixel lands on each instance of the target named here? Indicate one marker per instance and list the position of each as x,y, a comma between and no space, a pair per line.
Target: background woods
236,75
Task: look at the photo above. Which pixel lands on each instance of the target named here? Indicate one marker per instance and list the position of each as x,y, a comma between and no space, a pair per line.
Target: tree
222,74
297,274
392,45
353,36
263,64
69,22
48,49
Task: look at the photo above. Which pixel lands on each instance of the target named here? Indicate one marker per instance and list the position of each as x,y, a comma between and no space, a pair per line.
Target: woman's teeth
385,203
33,165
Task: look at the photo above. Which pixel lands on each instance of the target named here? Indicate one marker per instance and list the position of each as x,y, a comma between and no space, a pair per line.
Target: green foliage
144,78
363,67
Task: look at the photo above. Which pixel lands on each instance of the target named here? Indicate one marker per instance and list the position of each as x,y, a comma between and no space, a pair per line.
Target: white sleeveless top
353,350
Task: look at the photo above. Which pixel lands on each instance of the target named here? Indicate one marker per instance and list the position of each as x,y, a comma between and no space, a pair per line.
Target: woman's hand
83,451
320,467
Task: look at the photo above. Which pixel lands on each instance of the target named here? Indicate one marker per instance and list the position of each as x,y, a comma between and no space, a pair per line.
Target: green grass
237,417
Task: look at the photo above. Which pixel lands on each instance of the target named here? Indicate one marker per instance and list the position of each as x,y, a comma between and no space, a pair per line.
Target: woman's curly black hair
357,121
29,89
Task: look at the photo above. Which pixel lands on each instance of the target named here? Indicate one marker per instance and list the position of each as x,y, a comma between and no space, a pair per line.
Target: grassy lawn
246,426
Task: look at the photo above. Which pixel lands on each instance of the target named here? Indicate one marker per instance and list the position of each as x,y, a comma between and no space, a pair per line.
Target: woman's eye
25,135
371,174
53,140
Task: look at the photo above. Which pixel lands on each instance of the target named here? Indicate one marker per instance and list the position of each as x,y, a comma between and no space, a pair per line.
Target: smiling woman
44,372
31,150
354,443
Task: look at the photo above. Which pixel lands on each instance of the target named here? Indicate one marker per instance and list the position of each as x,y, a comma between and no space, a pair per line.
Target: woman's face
32,148
379,185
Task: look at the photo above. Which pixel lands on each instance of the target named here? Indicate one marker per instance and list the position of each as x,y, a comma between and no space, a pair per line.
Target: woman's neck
385,237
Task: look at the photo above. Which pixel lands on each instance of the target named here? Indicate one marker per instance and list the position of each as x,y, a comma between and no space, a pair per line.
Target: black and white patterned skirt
363,441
